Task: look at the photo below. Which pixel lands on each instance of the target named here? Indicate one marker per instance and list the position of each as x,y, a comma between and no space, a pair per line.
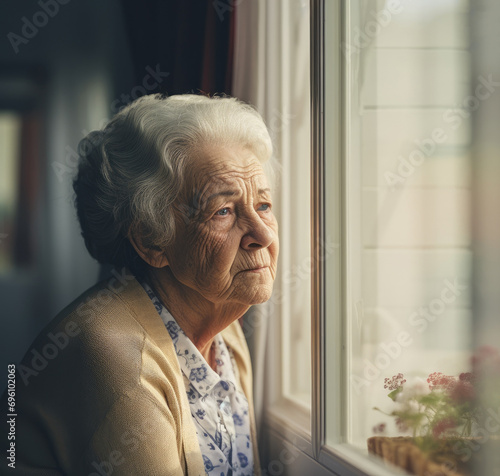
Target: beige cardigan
100,391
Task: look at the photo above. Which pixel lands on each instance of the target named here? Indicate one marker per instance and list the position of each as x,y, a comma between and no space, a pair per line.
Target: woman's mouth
258,269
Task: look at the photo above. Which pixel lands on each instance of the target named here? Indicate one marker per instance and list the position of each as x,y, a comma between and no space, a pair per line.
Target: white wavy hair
131,173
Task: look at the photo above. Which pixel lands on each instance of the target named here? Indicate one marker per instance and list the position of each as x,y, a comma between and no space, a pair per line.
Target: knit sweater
100,391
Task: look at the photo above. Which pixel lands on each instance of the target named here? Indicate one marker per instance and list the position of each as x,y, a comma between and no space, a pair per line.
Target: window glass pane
407,189
293,125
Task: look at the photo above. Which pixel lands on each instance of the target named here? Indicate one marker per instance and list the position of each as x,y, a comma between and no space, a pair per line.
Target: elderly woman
148,373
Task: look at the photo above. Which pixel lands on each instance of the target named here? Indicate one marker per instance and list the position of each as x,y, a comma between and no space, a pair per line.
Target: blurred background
411,156
66,67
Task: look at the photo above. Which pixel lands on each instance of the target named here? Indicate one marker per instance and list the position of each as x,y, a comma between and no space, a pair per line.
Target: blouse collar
201,376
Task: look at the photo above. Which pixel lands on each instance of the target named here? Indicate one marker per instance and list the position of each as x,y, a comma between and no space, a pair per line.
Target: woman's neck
200,319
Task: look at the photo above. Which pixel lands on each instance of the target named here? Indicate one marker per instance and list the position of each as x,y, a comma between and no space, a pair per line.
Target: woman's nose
259,234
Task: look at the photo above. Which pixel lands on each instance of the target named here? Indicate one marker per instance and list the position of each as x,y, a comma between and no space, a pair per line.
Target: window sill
289,421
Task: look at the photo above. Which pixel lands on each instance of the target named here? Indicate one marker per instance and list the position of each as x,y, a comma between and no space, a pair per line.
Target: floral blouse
218,406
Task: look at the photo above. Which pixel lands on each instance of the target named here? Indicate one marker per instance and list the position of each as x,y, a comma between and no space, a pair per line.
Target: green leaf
432,399
394,393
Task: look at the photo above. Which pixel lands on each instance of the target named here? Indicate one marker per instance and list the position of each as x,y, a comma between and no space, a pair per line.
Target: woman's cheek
211,246
273,222
220,225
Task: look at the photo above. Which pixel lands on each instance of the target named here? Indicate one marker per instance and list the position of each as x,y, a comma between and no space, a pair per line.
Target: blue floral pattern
173,329
218,406
208,464
238,420
243,460
198,374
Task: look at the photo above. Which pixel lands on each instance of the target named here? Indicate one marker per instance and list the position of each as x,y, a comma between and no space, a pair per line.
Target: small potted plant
443,422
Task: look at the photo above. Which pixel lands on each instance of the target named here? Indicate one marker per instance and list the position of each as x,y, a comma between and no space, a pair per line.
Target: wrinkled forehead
215,169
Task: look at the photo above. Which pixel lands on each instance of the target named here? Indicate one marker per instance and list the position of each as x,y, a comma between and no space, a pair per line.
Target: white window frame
333,129
286,420
287,424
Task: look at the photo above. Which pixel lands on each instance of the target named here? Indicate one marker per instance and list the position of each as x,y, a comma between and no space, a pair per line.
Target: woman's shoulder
100,365
105,327
108,305
119,293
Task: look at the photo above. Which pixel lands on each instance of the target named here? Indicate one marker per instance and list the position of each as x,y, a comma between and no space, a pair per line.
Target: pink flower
394,382
438,380
401,424
380,428
467,377
463,392
442,426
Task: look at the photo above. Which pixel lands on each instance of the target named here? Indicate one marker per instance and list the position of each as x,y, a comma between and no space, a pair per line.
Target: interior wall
82,49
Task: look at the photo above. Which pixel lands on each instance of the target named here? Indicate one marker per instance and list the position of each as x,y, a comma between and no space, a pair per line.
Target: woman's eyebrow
233,193
224,193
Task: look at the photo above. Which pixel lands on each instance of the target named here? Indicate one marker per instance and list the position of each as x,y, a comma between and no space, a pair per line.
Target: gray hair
131,173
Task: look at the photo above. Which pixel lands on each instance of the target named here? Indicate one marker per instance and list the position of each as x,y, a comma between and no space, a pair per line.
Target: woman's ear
154,257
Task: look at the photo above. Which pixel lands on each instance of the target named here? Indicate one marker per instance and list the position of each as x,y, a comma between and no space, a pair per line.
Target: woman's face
226,244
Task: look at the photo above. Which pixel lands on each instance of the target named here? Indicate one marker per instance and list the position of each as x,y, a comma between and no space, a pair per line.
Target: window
397,100
406,277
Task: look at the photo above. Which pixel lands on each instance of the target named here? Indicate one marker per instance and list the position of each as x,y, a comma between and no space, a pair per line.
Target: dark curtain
191,40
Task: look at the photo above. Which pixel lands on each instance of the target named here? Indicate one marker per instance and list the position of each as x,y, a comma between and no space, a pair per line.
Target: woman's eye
264,207
223,212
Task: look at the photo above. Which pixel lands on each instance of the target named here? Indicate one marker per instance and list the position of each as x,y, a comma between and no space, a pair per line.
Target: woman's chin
258,295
